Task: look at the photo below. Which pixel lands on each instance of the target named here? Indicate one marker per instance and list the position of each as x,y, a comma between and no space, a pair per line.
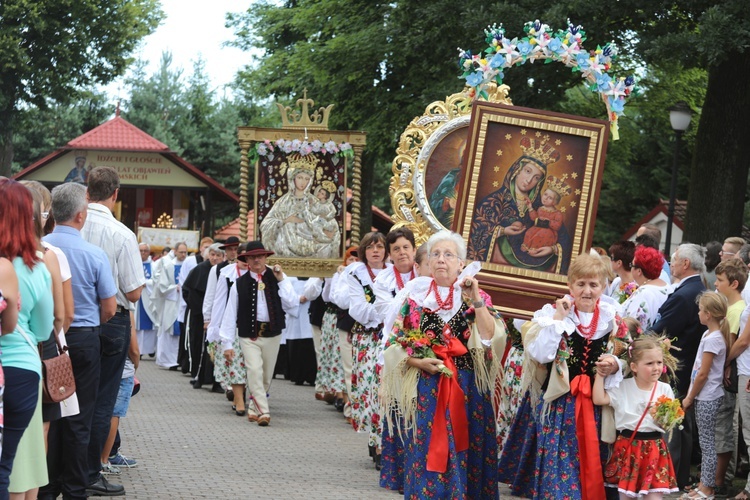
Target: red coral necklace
446,304
589,331
400,280
372,274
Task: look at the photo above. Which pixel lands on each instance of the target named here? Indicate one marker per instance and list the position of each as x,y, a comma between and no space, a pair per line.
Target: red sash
451,398
592,481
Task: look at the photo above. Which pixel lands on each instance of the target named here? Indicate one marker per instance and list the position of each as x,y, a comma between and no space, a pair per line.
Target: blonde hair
650,341
715,304
587,265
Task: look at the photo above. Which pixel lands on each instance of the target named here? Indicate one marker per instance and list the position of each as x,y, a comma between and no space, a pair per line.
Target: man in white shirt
120,245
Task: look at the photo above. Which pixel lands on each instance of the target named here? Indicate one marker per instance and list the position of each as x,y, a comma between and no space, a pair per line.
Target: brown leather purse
58,382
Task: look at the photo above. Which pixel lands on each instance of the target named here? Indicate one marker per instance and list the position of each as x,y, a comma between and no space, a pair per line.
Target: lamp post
679,116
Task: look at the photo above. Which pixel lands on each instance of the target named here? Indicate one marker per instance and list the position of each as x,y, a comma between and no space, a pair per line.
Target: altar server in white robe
145,325
166,299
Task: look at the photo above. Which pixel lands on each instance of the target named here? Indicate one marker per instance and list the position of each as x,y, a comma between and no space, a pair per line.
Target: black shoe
152,355
193,381
217,389
339,404
197,384
174,368
230,395
103,488
240,413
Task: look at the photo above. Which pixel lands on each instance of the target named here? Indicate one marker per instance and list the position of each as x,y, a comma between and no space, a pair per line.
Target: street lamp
679,116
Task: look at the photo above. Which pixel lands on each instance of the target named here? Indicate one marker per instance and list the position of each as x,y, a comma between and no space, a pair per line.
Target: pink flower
409,351
430,334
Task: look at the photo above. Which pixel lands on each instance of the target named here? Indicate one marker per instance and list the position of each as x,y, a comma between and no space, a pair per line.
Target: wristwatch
477,303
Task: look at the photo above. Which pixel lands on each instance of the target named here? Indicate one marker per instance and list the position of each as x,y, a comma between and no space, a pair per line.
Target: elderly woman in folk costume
445,400
556,444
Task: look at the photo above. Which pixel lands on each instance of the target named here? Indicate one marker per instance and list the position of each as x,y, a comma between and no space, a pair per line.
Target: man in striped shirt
121,247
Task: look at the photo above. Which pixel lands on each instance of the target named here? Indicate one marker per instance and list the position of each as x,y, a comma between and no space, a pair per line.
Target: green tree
52,49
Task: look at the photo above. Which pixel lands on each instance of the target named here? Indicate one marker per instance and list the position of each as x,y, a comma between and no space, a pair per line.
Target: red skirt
640,467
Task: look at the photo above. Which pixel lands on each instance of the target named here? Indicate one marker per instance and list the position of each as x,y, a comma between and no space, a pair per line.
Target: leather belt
83,329
122,310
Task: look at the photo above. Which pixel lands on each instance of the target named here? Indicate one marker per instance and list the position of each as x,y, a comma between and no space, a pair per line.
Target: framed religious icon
430,160
527,201
305,176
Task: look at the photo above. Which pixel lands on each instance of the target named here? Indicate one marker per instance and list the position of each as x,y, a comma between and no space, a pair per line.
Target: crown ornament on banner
298,162
540,150
558,185
301,118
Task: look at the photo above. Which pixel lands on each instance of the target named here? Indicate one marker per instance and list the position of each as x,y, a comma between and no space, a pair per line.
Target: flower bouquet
667,412
626,290
418,344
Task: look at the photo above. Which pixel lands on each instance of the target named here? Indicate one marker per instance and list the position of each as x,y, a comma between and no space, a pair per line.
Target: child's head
712,307
646,358
727,273
632,326
322,194
420,260
350,256
550,198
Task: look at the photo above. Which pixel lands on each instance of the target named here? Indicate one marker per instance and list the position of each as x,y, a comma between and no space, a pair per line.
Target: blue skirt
540,459
392,459
471,473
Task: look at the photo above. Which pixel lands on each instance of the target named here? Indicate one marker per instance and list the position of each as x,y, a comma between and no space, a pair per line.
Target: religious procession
497,295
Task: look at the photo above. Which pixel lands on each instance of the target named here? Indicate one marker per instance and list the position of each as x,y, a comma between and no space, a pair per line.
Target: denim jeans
20,399
115,341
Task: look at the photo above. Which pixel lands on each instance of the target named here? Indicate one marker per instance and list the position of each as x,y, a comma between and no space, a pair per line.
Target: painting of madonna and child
530,188
299,205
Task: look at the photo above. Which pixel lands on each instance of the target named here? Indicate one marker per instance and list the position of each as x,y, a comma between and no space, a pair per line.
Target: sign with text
134,169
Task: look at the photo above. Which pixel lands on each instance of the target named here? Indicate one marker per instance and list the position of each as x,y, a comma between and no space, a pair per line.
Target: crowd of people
454,398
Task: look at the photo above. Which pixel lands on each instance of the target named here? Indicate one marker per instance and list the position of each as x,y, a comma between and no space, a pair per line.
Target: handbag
58,381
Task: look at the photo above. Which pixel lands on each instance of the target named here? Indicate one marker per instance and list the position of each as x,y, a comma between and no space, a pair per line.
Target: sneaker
110,470
122,461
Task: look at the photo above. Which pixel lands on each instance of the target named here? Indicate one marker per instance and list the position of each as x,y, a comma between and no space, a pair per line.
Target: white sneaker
109,469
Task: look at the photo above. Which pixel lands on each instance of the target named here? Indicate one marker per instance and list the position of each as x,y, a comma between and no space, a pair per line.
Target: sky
192,28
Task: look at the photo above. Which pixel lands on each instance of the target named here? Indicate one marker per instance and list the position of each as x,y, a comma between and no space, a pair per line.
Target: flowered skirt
228,373
392,457
540,458
364,396
471,474
330,370
509,394
641,467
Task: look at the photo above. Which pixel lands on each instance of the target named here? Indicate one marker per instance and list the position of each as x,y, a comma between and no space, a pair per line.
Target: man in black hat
256,309
230,249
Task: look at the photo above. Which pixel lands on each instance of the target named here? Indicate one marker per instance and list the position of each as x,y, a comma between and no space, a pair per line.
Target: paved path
189,444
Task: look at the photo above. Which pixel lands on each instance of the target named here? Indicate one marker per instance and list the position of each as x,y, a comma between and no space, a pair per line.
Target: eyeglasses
446,255
45,215
722,252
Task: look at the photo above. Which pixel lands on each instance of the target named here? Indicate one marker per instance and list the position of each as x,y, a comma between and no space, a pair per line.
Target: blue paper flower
497,61
630,80
602,82
524,48
474,79
555,45
617,105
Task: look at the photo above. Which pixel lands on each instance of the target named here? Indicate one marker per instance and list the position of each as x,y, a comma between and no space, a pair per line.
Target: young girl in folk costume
640,464
706,390
448,422
553,448
366,334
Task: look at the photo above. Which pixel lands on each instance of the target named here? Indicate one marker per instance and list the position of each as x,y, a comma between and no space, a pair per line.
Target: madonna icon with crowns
519,224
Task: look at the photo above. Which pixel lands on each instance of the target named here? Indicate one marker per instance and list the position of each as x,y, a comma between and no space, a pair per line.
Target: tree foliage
52,49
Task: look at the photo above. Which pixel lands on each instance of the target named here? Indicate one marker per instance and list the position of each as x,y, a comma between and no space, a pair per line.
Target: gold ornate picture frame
527,199
429,160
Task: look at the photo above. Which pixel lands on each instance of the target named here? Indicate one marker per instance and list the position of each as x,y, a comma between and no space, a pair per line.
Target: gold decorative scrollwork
421,136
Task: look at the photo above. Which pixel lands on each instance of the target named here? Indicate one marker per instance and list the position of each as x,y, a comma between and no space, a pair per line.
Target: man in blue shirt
94,297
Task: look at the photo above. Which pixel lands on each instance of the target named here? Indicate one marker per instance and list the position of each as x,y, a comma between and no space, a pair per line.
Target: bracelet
502,231
478,303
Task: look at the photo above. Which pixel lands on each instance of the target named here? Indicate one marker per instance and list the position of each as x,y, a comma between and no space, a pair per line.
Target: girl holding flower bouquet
440,367
645,408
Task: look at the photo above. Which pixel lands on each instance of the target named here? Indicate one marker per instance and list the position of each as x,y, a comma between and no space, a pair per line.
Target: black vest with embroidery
247,305
582,356
459,328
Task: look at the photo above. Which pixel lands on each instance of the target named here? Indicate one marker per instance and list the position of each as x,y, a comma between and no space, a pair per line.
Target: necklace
446,304
589,331
400,280
369,271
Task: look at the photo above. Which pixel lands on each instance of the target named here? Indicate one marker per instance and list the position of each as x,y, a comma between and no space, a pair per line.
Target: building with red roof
155,181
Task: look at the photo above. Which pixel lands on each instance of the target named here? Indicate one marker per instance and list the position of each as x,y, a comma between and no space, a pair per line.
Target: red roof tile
118,134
